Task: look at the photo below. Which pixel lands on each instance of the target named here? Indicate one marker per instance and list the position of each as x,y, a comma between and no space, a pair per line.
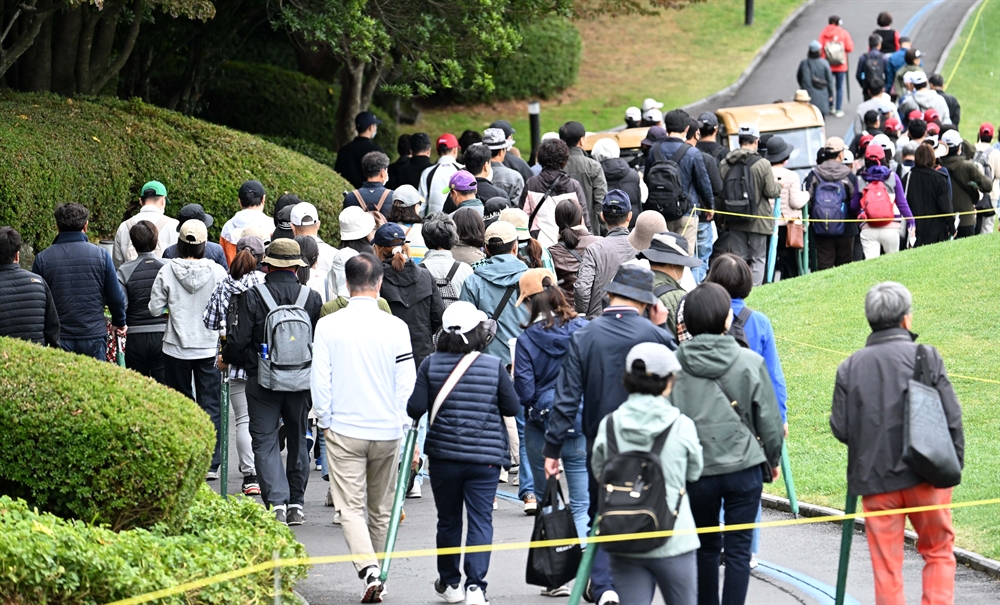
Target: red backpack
876,205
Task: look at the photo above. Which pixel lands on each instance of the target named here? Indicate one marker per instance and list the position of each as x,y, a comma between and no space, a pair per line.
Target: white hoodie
184,288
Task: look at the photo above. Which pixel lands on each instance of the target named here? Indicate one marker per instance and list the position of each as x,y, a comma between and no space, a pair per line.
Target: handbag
927,445
794,235
553,565
449,384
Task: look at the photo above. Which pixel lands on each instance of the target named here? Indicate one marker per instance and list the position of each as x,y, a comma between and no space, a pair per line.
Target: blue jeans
525,484
704,250
574,457
475,486
741,493
90,347
841,81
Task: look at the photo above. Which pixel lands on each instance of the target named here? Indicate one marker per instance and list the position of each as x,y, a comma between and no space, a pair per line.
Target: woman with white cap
406,205
645,420
466,394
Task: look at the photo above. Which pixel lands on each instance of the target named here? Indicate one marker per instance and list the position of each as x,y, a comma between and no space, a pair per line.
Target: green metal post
397,502
586,564
772,253
224,435
786,470
845,549
804,252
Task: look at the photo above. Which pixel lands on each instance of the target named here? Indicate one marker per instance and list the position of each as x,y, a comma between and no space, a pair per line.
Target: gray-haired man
372,194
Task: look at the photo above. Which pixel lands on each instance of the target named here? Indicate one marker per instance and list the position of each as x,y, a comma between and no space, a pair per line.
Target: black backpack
666,189
739,195
634,496
736,329
873,68
448,292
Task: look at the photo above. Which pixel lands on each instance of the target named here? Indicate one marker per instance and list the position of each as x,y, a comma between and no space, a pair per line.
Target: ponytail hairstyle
530,253
568,215
244,262
550,305
309,251
399,253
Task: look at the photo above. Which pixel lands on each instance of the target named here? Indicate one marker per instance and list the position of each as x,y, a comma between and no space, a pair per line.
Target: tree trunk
89,16
351,90
102,78
65,36
27,29
36,64
104,38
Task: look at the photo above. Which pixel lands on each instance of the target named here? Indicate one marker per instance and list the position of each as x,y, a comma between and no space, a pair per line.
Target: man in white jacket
362,377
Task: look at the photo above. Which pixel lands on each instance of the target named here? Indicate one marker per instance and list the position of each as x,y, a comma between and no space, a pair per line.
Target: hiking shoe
295,515
280,516
530,504
451,593
413,479
212,474
558,591
373,586
310,441
474,596
610,597
414,491
250,486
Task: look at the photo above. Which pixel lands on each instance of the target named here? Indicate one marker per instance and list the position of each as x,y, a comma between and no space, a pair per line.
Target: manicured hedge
89,440
52,561
99,151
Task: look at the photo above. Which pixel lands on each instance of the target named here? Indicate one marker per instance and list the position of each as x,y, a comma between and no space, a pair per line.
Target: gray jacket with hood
833,171
184,288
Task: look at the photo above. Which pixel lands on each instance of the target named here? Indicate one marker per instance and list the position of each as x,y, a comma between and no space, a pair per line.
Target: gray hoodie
184,288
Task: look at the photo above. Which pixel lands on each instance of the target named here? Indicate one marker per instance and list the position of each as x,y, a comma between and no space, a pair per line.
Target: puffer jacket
966,178
599,265
541,183
414,297
833,171
486,287
708,361
620,175
638,422
27,310
537,361
765,188
469,426
82,279
136,280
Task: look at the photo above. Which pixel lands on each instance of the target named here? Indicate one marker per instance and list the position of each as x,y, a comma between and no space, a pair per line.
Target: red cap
448,139
987,129
893,125
874,152
932,115
915,114
865,139
933,128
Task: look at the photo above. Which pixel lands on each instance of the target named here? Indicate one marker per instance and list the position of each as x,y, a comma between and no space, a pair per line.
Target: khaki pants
355,464
686,227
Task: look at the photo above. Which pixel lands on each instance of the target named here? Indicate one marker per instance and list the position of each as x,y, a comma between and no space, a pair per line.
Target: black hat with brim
634,283
778,150
670,249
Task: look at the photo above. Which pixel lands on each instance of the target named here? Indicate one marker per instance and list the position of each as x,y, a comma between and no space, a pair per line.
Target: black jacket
928,194
243,340
593,369
371,192
515,163
411,174
485,189
397,172
27,310
621,176
469,426
349,159
414,297
712,148
869,402
954,107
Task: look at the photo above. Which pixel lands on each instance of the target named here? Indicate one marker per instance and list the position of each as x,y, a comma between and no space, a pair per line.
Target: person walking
726,391
372,195
988,156
650,373
184,286
462,191
836,45
477,159
213,251
602,259
929,194
574,238
252,200
434,178
924,99
553,184
968,183
466,394
668,256
152,200
362,377
513,160
885,200
397,169
793,199
831,185
619,174
27,309
304,221
82,280
471,230
144,349
507,179
282,490
529,249
441,235
349,156
816,78
869,415
873,65
585,170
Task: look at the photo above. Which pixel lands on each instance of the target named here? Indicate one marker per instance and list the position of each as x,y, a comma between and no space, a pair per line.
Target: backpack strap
265,295
574,254
503,302
612,440
681,151
381,200
656,153
430,178
451,272
548,194
361,200
743,316
303,296
662,289
661,439
456,374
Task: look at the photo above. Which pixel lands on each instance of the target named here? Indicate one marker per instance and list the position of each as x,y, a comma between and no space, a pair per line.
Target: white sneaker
503,475
415,492
753,562
517,481
336,517
609,598
474,596
451,593
838,113
373,586
495,505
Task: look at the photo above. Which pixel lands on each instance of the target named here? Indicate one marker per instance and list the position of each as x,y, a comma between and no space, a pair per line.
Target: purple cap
461,181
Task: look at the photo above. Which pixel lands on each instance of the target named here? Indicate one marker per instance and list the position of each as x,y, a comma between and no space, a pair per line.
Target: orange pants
936,537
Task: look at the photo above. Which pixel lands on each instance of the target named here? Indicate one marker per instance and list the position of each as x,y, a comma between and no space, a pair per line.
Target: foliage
310,150
59,562
99,151
976,82
826,309
546,63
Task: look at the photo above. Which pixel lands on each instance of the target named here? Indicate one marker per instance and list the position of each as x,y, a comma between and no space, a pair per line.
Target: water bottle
263,351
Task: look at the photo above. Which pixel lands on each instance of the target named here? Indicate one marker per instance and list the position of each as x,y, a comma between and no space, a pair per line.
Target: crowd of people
526,320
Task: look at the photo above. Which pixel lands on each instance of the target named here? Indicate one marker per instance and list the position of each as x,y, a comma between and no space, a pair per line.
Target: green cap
153,188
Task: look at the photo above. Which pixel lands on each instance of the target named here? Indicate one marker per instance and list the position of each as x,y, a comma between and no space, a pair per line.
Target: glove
911,236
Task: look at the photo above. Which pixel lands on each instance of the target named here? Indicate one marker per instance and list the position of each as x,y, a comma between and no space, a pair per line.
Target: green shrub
99,151
89,440
52,561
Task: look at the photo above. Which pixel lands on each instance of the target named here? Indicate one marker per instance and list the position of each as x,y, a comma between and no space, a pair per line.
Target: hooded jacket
812,70
833,171
232,231
593,368
966,179
765,188
486,287
928,194
892,183
588,172
925,99
620,175
598,267
637,424
184,287
538,358
414,297
549,177
715,369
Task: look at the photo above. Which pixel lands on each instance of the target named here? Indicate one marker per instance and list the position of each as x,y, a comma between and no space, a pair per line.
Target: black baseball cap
283,223
191,212
708,119
505,126
251,193
365,119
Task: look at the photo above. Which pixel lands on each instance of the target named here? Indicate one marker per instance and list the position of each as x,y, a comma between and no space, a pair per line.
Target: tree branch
10,55
105,76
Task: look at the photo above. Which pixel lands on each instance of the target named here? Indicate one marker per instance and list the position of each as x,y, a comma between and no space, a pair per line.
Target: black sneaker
279,515
295,515
251,487
373,586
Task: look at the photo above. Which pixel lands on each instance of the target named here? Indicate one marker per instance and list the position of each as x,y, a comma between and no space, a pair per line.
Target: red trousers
936,537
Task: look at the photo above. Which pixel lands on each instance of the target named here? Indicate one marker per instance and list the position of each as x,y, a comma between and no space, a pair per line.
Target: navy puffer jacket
469,426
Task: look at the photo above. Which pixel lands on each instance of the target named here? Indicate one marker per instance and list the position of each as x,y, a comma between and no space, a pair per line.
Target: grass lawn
976,83
955,301
676,57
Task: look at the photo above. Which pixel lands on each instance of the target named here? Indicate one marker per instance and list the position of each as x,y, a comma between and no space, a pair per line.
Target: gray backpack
288,336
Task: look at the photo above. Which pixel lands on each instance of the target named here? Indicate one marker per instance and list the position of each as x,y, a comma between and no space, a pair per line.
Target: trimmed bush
99,151
89,440
50,560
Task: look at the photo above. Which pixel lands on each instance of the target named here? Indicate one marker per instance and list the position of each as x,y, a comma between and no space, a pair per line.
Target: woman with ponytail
412,294
573,240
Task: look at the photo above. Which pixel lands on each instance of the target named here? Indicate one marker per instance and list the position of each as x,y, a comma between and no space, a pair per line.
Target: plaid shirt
214,316
682,332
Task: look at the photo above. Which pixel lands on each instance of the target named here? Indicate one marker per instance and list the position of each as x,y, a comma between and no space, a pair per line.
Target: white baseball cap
917,78
658,359
749,129
952,138
407,195
653,115
651,104
462,317
633,113
304,214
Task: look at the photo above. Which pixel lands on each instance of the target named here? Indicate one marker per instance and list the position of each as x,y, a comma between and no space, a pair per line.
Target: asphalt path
929,23
798,564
